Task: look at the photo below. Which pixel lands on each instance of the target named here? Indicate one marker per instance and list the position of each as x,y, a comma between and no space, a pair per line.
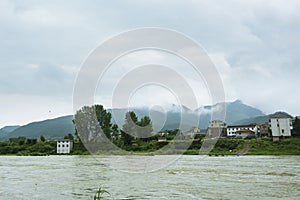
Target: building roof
280,115
242,126
64,140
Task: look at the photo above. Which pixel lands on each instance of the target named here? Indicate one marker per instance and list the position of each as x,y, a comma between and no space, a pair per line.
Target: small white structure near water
64,146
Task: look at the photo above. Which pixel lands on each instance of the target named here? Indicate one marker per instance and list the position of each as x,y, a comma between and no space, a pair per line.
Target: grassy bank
287,146
261,146
223,147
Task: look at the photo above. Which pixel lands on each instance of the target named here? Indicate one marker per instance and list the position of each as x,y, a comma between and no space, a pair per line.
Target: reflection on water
190,177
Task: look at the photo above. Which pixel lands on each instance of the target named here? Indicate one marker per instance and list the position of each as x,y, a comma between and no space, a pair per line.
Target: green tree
115,132
129,128
145,129
296,128
42,138
42,148
91,122
31,141
104,119
70,136
21,140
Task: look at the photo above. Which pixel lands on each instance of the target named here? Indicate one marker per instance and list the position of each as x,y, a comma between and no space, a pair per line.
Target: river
189,177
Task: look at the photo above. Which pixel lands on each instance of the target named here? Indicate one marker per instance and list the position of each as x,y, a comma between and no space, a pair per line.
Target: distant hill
5,131
252,120
50,129
59,127
9,128
172,118
235,111
259,119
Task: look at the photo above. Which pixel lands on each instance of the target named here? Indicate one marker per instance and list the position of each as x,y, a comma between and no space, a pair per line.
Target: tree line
94,123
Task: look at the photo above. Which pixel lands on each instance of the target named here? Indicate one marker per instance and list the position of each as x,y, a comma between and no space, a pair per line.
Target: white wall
231,131
281,127
64,147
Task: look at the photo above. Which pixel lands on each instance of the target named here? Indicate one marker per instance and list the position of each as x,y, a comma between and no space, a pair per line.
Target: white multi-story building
280,125
244,130
64,146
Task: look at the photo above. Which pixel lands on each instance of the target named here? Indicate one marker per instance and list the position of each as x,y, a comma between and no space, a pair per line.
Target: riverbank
223,147
227,147
261,146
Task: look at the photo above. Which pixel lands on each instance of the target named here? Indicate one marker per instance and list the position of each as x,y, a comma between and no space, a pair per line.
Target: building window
58,145
282,130
63,145
67,145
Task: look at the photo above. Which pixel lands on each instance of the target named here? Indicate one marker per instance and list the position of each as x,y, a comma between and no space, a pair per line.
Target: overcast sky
254,44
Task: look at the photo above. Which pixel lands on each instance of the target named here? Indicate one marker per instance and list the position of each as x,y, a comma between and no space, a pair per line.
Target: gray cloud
255,44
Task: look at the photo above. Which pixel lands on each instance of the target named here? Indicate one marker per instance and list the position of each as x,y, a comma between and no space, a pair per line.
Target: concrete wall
280,127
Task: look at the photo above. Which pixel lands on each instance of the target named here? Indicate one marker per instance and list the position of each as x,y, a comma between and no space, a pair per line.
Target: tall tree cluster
136,129
94,122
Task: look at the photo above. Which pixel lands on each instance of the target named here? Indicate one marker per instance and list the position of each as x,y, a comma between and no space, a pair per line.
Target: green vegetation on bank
27,147
262,146
286,146
22,146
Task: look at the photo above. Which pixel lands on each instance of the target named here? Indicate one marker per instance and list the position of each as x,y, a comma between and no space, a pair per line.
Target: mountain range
236,112
51,129
6,130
